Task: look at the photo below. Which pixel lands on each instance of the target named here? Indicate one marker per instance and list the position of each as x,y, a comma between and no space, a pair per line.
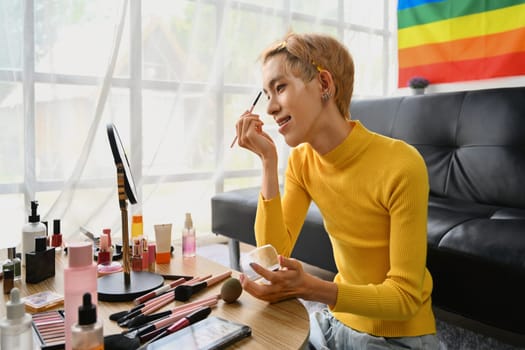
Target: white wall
471,85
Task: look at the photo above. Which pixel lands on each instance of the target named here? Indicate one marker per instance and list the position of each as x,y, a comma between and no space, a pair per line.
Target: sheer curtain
173,76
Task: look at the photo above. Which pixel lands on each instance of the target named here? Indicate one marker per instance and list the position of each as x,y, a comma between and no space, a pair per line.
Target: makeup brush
250,110
196,316
184,292
158,291
147,332
120,342
141,320
122,316
160,301
231,290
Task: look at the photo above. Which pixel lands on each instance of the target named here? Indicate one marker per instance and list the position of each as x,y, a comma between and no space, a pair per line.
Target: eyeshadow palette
43,301
49,329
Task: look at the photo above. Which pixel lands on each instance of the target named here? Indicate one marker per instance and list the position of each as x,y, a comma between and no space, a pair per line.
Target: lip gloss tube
136,259
145,254
151,257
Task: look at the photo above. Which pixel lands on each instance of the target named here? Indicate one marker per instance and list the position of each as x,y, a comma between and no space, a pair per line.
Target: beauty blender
231,290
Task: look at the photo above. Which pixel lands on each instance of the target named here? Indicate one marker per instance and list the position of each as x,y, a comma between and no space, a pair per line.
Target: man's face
294,105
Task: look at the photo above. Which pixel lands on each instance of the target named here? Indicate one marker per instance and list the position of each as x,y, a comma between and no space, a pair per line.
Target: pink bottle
80,276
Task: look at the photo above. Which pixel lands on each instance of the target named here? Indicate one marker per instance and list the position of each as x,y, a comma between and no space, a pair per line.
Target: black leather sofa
473,143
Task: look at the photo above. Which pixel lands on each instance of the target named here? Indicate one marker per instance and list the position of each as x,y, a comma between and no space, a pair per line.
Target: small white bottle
34,228
188,238
87,333
15,329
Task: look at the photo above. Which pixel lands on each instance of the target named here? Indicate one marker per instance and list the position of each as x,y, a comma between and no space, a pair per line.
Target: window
173,76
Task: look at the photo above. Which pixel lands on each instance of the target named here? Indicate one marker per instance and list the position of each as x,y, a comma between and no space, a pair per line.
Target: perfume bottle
40,264
17,265
17,262
15,329
8,265
188,238
34,228
87,333
9,281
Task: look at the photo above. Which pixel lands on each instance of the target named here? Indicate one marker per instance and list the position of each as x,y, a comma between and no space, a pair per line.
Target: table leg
234,251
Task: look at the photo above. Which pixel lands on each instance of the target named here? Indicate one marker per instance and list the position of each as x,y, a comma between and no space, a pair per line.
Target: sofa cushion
233,215
472,142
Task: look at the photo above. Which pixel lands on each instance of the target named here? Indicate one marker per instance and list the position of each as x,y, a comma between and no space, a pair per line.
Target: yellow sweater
372,192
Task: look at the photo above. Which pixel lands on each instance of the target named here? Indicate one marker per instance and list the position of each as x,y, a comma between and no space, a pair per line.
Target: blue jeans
327,333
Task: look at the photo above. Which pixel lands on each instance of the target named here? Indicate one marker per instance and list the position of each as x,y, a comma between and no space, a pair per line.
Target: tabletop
283,325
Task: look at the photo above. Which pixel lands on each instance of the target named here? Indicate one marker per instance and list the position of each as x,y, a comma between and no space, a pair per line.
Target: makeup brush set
146,327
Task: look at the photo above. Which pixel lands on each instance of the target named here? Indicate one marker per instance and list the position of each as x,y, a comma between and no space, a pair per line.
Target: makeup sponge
231,290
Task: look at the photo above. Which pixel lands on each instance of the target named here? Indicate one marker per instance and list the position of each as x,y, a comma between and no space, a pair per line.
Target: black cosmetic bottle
40,264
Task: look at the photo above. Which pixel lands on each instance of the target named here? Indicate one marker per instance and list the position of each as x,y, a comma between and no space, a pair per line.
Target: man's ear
326,80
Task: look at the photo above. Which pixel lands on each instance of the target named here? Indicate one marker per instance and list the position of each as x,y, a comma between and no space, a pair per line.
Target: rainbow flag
458,40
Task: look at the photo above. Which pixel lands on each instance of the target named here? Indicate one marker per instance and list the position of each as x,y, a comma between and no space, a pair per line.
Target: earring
325,96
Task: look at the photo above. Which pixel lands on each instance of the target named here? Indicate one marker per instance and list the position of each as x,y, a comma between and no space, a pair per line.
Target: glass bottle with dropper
87,333
15,328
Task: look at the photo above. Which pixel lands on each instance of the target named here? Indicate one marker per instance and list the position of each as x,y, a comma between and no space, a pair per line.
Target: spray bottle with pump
34,228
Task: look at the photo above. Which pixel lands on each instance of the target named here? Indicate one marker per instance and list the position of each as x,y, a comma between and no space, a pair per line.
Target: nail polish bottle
188,238
56,239
103,252
107,231
87,333
136,258
80,276
15,328
40,264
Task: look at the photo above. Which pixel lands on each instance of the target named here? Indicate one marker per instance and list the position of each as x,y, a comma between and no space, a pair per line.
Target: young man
371,190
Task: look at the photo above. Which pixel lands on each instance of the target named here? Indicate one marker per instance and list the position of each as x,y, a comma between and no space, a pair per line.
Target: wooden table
283,325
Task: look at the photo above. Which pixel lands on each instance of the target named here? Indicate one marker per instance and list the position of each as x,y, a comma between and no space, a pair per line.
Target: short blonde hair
306,54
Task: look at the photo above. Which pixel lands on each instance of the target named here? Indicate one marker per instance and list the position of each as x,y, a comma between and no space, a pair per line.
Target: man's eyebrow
272,83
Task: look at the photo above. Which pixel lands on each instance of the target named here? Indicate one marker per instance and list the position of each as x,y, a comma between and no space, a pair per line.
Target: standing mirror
126,285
